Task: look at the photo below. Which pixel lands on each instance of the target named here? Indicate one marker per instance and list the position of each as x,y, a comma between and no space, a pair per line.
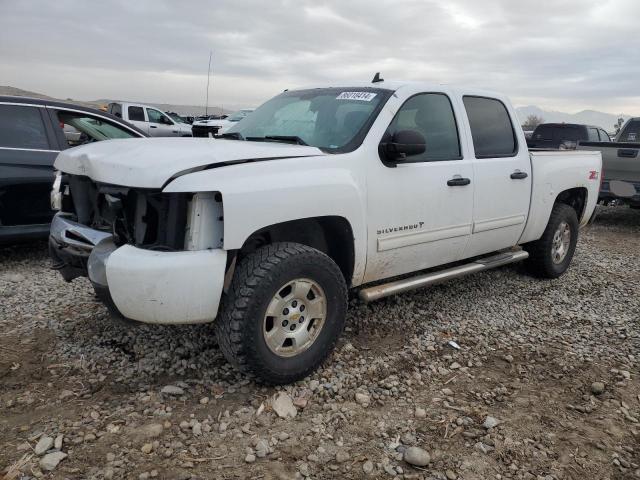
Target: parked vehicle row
32,133
210,127
264,229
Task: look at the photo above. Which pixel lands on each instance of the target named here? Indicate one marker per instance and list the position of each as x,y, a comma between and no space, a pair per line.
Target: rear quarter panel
553,173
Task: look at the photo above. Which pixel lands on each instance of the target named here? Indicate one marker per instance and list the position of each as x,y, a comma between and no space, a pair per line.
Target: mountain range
589,117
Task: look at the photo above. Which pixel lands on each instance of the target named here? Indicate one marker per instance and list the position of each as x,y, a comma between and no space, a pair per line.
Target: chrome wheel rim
294,317
561,242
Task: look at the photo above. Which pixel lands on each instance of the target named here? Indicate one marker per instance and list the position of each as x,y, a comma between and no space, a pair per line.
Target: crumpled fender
257,195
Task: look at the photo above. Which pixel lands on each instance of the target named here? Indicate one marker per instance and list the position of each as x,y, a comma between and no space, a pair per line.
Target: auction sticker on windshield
364,96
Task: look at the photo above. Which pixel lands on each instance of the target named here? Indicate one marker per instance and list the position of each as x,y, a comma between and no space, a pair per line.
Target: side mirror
403,144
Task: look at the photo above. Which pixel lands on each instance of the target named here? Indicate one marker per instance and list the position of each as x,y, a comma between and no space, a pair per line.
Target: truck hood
151,162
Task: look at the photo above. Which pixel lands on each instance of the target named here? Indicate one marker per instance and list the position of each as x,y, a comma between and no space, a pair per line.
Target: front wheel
550,256
284,312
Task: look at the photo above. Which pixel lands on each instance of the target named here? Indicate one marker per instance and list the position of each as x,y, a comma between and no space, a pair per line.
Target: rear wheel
284,312
550,256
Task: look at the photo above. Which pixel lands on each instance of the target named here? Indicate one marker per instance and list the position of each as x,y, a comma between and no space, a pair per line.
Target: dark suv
565,135
32,133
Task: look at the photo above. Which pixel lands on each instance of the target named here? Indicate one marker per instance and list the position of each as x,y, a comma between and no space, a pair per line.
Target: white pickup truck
378,187
149,119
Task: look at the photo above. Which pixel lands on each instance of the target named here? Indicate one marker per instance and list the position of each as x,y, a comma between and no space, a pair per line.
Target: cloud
570,55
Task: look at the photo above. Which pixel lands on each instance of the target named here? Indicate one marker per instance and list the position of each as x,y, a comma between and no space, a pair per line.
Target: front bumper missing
150,286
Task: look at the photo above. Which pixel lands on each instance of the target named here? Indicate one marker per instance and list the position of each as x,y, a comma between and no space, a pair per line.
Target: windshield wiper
232,135
280,138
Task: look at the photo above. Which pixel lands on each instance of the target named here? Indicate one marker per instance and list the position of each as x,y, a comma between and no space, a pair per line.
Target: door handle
518,175
153,126
627,153
458,182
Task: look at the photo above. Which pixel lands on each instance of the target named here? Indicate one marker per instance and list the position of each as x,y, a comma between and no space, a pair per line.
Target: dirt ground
545,384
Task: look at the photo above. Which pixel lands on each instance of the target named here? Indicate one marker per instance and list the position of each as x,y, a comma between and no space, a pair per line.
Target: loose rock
172,390
417,456
283,406
44,444
490,422
597,388
51,460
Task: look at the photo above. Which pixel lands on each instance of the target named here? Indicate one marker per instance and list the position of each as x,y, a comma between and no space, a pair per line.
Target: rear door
419,211
136,116
502,176
28,149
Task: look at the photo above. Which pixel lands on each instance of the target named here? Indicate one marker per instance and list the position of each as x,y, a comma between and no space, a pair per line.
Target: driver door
160,125
420,209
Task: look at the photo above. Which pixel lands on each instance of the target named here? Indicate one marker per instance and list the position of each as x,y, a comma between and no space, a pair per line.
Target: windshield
333,119
177,117
631,132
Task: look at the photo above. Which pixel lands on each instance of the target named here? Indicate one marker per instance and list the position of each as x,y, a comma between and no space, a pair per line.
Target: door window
563,134
115,109
156,116
543,133
491,128
631,132
79,129
604,136
431,115
593,135
136,114
22,127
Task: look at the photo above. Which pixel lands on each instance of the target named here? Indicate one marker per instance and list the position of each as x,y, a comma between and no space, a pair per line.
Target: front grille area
145,218
203,130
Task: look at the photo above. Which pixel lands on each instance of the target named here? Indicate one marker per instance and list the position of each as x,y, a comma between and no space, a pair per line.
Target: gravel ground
544,384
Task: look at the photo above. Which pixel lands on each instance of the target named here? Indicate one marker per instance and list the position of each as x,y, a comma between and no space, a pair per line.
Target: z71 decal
414,226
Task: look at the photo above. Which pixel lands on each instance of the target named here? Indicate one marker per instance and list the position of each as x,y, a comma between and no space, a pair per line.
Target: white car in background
149,119
210,127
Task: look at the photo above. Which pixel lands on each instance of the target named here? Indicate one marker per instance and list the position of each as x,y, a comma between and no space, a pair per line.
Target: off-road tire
239,327
540,262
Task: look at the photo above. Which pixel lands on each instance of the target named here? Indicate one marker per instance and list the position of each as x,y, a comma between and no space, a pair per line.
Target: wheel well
331,235
576,198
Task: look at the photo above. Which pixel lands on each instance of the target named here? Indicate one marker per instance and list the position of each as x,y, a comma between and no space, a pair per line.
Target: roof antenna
377,78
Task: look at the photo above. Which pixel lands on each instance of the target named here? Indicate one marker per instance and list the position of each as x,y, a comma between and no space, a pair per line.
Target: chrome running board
376,292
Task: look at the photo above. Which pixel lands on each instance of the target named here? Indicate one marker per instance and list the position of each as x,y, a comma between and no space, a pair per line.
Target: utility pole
206,105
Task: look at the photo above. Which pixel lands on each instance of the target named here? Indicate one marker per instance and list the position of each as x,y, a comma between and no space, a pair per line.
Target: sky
566,55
